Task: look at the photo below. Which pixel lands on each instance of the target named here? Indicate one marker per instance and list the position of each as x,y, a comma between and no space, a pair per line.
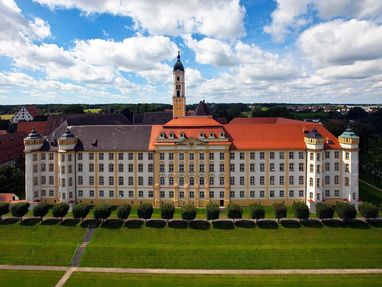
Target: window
70,181
232,167
251,167
43,167
51,156
131,193
311,181
241,193
191,167
327,166
62,169
301,155
181,194
111,193
221,180
100,167
80,167
151,194
161,180
327,193
336,179
211,167
201,181
311,156
252,180
62,157
291,166
271,167
318,182
111,167
318,168
281,155
252,155
150,156
91,167
212,194
271,193
346,181
221,167
221,194
162,194
281,180
281,166
91,156
232,155
111,156
241,155
336,193
301,180
201,194
100,156
318,156
262,193
91,180
101,193
120,167
232,180
51,167
301,193
150,180
181,156
211,181
171,194
201,167
232,194
121,194
327,155
181,167
281,193
211,156
80,180
150,167
43,180
336,154
35,168
51,180
318,196
262,155
171,167
91,193
242,180
291,155
242,167
201,156
252,193
272,155
70,168
301,166
291,180
101,180
221,156
140,180
336,166
69,157
191,156
262,180
272,180
120,180
140,156
191,181
181,181
347,167
262,167
140,193
311,195
161,167
311,168
131,180
120,157
291,193
327,179
347,155
130,156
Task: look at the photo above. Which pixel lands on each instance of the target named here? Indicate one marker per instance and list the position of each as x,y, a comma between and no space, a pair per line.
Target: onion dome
349,133
314,134
178,65
67,134
33,134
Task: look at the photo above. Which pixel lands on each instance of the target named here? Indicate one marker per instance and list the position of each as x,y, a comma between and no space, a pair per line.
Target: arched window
181,181
161,180
178,93
201,181
170,181
191,181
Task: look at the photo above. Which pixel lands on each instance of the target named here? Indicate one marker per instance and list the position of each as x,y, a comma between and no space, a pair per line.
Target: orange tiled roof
27,127
7,197
33,110
193,121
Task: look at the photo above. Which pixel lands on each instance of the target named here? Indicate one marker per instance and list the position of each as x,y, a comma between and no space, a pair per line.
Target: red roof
274,133
28,126
193,121
33,110
3,132
7,197
11,146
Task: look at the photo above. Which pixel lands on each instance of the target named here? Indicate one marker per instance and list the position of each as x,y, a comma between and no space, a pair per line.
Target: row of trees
345,211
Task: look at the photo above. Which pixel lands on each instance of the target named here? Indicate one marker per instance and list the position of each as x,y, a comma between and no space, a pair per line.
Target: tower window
178,93
178,79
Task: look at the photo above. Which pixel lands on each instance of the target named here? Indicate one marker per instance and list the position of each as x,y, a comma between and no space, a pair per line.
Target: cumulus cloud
169,17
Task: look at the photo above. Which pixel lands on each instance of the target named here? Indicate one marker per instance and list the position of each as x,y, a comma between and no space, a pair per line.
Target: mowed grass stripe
38,244
29,278
140,280
256,248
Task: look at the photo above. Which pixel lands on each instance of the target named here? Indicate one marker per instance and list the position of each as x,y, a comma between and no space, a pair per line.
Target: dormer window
201,135
172,135
182,135
222,135
162,135
212,135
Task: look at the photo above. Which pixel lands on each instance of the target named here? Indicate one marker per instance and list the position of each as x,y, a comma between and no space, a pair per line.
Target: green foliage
73,109
12,180
324,210
40,210
167,211
123,211
280,210
301,210
257,211
213,211
346,211
234,211
368,210
60,210
145,210
4,208
19,209
80,211
188,212
102,211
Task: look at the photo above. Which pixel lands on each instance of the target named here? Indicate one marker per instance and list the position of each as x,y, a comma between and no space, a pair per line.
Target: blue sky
291,51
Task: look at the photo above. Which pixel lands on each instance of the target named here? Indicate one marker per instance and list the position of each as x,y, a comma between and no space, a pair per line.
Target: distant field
6,117
240,248
140,280
92,111
35,244
13,278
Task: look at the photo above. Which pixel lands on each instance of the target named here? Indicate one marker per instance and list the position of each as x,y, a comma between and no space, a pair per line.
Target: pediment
191,142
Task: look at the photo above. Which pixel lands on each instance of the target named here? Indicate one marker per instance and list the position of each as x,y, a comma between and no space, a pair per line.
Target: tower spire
178,98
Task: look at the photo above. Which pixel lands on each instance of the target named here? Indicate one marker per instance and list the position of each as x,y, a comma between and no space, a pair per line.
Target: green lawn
242,248
38,244
13,278
92,111
143,280
6,117
369,194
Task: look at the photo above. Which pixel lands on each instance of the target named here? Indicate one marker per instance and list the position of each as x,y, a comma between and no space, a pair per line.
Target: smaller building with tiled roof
26,113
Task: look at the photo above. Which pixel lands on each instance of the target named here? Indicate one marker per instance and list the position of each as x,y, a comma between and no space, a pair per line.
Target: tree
145,210
234,211
324,210
368,210
167,211
346,211
188,212
4,209
73,109
301,210
40,210
12,180
356,113
123,211
60,210
80,211
280,211
19,209
213,211
102,211
257,211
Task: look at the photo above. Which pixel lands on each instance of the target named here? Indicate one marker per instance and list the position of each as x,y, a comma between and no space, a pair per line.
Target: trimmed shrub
257,211
60,210
189,212
301,210
40,210
145,210
213,211
4,209
167,211
368,210
324,210
280,211
102,211
234,211
80,211
123,211
19,209
346,211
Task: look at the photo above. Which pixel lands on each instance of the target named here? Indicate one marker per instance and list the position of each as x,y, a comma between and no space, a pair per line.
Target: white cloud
169,17
342,42
211,51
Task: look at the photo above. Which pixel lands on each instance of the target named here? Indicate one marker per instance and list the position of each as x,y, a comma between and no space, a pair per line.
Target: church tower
178,98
